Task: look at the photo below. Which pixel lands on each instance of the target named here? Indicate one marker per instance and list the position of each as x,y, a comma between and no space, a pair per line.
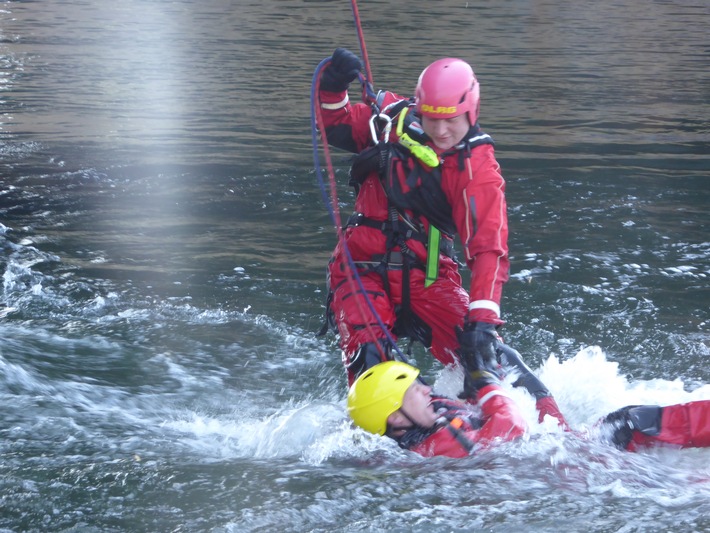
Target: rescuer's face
446,132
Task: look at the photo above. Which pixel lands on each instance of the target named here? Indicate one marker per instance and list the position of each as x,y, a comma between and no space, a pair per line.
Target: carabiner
386,131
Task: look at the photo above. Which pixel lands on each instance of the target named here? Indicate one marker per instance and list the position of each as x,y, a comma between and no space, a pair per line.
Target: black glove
344,67
478,341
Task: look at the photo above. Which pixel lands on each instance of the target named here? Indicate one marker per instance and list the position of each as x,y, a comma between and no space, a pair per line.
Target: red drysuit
459,431
463,195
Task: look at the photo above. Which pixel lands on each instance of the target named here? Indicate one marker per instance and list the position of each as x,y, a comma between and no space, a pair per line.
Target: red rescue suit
632,428
684,425
460,432
474,196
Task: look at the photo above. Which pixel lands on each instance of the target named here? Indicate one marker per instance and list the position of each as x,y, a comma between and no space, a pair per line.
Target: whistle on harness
425,154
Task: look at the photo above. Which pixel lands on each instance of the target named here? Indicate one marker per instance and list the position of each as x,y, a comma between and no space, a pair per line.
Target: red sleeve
502,417
480,213
347,125
501,421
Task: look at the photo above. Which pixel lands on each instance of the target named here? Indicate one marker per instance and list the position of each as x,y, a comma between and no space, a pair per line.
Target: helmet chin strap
413,424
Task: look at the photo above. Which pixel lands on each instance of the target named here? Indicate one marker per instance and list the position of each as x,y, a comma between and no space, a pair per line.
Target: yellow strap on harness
432,256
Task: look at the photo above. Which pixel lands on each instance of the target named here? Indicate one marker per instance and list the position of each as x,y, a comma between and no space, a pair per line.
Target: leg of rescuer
362,340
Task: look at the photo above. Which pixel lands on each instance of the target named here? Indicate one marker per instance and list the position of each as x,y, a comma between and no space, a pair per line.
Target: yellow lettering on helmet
440,110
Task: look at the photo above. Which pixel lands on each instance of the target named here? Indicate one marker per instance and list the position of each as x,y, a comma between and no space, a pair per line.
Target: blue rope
314,137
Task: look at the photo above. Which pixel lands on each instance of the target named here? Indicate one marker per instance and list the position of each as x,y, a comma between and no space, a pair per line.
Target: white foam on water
313,430
588,386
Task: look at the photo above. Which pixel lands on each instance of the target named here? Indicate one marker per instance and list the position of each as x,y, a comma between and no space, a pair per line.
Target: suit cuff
489,305
336,105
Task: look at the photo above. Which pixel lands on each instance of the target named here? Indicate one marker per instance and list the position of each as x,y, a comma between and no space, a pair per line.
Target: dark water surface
164,243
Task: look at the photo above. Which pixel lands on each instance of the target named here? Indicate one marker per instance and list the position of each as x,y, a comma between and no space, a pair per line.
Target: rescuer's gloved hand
479,343
478,357
344,67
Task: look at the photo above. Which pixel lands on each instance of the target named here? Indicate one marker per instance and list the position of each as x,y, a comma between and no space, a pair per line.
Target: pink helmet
448,88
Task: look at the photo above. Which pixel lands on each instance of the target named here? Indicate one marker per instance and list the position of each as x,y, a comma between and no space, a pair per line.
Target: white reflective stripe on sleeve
490,395
337,105
485,304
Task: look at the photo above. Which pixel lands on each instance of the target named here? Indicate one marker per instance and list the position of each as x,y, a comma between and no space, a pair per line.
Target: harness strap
454,427
445,245
394,261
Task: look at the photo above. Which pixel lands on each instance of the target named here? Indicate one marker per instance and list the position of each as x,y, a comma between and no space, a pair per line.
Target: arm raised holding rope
347,124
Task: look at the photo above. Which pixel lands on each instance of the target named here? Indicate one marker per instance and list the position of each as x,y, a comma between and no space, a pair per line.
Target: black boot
367,356
645,419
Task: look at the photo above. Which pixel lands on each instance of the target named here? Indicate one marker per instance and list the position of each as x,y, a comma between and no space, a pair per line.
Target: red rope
363,51
351,274
329,167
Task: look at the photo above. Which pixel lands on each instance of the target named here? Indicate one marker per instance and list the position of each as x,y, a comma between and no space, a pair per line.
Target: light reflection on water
164,245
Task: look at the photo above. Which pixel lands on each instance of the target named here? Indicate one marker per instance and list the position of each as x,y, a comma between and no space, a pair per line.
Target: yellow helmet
378,393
